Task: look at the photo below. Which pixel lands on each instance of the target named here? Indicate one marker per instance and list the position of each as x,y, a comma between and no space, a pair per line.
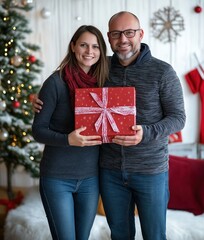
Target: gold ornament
26,2
16,61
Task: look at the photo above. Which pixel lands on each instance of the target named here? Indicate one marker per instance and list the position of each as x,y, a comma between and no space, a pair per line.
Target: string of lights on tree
19,69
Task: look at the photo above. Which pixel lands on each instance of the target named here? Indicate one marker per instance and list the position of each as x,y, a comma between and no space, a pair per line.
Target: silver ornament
45,13
3,135
2,105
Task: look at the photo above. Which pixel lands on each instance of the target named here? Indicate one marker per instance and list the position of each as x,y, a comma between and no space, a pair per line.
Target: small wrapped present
106,111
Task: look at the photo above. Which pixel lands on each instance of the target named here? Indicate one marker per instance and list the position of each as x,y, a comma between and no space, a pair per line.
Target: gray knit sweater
51,127
160,111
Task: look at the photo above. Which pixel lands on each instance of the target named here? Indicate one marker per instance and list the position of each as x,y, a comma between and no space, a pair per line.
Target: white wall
53,34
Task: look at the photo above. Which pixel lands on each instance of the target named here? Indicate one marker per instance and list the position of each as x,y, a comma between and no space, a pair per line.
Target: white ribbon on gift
105,113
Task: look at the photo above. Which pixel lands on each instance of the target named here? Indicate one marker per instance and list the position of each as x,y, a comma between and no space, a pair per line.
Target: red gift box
105,111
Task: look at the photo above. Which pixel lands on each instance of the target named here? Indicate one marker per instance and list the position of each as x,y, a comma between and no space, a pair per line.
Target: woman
69,173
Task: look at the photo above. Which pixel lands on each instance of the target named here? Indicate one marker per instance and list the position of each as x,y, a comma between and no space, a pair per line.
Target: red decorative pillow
186,184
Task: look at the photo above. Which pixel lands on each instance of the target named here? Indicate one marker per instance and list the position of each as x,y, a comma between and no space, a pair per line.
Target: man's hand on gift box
130,140
76,139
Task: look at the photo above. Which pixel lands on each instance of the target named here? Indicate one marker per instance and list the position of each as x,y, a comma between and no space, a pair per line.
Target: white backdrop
52,34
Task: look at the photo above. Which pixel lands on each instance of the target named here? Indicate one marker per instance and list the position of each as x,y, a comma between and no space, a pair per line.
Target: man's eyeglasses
129,33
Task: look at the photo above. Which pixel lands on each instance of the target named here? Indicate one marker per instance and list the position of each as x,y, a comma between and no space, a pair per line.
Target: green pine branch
19,71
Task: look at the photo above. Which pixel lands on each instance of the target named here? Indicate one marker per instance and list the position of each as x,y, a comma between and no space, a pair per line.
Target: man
134,169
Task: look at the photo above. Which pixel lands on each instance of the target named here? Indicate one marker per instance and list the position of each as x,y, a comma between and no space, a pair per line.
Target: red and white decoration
106,111
195,80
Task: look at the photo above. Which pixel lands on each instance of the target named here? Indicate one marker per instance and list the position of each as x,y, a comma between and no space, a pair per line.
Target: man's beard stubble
127,56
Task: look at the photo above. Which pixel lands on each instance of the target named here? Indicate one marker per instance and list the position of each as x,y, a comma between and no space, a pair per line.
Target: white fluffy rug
28,222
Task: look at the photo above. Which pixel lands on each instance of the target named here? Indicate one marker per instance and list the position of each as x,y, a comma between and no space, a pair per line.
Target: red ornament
198,9
16,104
31,58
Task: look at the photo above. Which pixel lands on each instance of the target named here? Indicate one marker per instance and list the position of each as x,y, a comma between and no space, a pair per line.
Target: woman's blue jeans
70,206
120,192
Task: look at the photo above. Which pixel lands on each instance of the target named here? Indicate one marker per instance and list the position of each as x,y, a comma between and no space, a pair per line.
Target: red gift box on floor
106,111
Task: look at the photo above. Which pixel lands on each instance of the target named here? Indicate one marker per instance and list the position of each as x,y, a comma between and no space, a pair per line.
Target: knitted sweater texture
160,111
51,127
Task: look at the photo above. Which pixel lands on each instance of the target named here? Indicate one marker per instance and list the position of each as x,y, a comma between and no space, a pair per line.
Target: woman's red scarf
77,78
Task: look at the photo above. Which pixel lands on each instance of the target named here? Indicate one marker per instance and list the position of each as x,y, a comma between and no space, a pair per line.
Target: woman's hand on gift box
37,103
76,139
130,140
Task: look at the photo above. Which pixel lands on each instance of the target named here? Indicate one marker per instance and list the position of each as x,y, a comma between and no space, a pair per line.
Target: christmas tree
19,69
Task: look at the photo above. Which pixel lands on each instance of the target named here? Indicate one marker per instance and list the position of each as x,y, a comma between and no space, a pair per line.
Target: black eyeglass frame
124,32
